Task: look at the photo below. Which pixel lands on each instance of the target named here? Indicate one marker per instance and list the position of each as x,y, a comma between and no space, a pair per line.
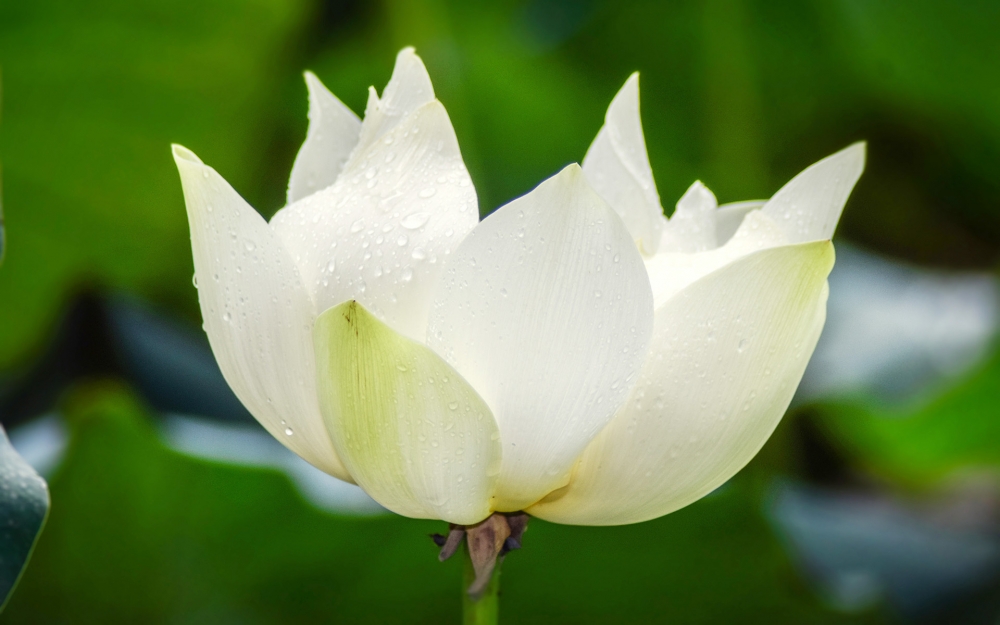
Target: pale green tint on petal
809,206
669,272
727,354
413,433
382,233
333,133
257,314
692,226
729,217
618,168
546,310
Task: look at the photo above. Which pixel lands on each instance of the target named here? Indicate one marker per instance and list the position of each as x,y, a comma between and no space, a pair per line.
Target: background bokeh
878,499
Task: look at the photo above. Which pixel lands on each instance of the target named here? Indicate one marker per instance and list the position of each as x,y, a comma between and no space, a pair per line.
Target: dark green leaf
24,504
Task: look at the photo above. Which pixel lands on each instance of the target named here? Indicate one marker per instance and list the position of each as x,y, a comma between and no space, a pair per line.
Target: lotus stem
484,610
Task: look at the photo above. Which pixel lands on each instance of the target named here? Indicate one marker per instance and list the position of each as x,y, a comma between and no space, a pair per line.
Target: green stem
486,610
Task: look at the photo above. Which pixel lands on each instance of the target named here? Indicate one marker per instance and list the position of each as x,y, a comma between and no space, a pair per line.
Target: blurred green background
741,94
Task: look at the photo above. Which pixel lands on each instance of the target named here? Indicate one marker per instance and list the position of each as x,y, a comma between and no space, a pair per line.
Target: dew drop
357,226
288,432
453,405
428,192
407,275
415,220
402,240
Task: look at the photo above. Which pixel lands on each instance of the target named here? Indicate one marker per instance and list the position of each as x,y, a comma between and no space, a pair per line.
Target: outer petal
727,355
692,226
257,314
729,217
672,271
546,310
618,168
380,234
413,433
333,133
809,206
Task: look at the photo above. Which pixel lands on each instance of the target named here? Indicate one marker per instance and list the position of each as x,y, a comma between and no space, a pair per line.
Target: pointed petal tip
182,154
407,58
856,152
312,81
625,100
573,170
697,196
573,179
860,151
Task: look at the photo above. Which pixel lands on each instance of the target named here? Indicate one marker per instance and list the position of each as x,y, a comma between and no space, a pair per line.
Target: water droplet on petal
415,220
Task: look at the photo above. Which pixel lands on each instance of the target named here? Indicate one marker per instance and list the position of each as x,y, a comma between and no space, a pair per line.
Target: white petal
545,308
333,133
408,89
382,232
729,217
414,434
257,314
669,272
726,357
809,206
617,167
692,226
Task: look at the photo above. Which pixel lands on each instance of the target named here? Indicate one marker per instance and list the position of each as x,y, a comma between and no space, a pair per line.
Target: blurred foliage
741,93
94,94
953,434
170,539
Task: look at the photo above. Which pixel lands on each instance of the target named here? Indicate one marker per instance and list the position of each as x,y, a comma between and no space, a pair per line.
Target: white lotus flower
528,362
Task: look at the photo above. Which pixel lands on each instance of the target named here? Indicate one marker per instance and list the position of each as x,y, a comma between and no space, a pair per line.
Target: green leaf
93,96
955,431
24,504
